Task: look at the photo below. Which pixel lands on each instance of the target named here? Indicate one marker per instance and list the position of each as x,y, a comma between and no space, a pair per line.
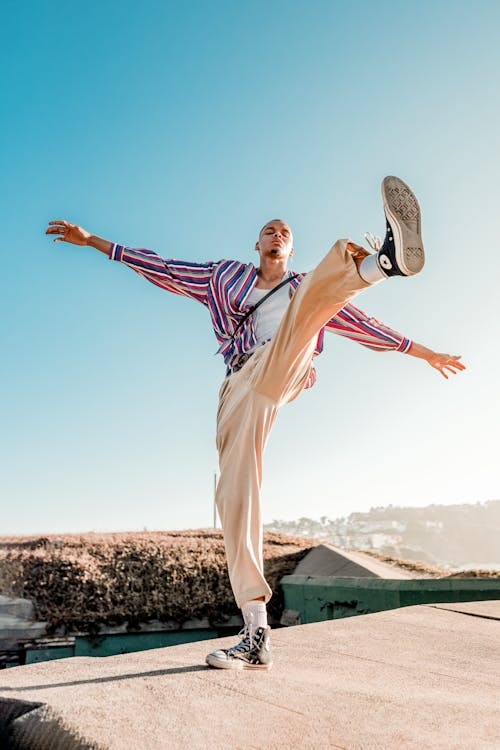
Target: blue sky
183,128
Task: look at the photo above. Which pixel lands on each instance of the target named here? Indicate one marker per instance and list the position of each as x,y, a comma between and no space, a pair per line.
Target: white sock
370,271
255,614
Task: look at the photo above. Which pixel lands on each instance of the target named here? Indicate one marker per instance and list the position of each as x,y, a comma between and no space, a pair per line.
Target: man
269,352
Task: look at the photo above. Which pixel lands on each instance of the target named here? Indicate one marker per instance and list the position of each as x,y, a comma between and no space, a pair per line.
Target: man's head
275,241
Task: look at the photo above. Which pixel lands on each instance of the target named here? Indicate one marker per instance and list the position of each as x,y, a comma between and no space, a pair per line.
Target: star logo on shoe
385,262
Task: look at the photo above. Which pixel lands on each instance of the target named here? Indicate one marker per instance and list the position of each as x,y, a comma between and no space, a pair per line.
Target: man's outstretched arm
354,324
180,277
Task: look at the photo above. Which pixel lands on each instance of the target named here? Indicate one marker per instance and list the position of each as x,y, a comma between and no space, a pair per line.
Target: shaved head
271,221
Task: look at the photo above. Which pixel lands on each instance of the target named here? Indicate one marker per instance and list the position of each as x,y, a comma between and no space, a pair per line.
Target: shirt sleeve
177,276
356,325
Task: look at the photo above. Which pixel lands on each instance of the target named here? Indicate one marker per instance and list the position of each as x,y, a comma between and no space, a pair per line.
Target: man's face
275,241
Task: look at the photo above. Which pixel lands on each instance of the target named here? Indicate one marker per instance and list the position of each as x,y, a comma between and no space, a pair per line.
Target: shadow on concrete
114,678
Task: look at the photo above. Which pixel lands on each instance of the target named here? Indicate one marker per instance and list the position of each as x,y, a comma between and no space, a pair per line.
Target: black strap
261,301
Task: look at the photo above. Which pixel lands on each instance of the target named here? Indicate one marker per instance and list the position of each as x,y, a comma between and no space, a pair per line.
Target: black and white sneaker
402,253
253,651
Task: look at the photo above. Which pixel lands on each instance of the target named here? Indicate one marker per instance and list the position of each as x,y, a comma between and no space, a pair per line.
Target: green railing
318,598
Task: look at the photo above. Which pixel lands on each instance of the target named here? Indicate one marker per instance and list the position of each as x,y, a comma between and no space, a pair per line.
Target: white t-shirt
268,316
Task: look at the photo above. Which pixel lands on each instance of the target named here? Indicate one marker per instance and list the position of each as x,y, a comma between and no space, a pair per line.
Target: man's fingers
450,368
441,369
448,361
60,221
455,365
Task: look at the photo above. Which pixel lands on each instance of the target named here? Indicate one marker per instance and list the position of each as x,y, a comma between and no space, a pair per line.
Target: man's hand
77,236
440,362
70,232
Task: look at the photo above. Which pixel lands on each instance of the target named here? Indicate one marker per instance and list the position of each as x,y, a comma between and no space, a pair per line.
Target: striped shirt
224,287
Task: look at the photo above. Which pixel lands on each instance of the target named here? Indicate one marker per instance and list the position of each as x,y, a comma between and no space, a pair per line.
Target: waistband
238,364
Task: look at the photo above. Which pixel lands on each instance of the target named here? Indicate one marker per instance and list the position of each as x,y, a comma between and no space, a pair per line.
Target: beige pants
248,404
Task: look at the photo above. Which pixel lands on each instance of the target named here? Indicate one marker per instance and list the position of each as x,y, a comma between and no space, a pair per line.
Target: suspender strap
261,301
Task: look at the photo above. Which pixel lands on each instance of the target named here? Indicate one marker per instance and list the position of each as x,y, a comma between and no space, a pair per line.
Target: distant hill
449,536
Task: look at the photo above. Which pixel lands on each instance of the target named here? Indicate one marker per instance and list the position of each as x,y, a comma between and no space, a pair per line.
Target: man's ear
257,247
291,252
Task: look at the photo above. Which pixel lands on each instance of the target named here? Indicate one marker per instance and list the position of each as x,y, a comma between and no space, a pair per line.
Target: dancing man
270,323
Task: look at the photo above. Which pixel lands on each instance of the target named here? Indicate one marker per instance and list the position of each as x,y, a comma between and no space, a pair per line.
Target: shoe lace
374,241
246,634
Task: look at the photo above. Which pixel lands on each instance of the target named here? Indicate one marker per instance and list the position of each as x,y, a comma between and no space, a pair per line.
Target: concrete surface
327,560
417,677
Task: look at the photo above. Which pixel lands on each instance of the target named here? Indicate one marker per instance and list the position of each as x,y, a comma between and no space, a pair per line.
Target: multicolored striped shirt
224,287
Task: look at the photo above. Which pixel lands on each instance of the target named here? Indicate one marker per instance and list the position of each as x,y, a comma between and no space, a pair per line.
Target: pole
215,507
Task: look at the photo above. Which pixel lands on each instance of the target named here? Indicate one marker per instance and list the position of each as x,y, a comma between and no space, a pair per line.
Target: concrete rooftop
418,677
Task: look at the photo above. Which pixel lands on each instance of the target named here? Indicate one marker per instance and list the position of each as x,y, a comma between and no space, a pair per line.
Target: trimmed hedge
82,582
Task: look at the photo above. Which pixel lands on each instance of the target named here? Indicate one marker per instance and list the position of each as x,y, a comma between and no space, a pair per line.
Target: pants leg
244,420
248,406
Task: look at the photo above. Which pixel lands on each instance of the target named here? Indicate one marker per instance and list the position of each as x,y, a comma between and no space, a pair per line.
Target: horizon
145,530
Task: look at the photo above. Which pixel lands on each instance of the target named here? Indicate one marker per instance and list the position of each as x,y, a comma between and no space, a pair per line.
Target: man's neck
269,274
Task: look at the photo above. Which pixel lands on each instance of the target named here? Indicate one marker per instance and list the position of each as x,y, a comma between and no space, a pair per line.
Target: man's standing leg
244,421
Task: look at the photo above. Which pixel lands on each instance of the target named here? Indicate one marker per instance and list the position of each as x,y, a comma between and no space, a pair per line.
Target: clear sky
183,127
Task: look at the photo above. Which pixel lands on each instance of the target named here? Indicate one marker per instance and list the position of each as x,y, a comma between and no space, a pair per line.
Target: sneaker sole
403,212
212,661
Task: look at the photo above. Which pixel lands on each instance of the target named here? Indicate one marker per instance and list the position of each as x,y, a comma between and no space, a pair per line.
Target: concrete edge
463,612
26,725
